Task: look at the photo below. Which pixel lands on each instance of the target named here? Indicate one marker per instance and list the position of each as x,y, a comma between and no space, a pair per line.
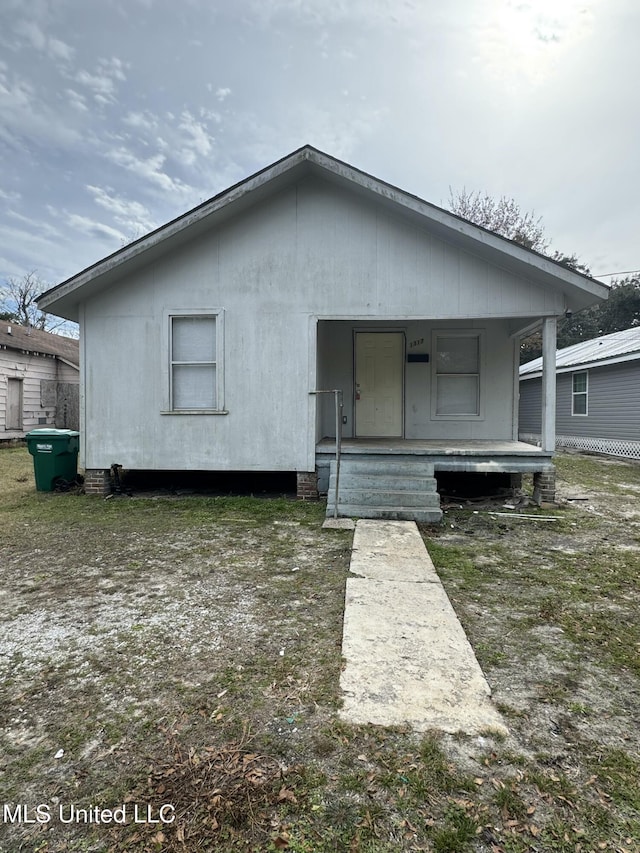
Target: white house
39,381
204,342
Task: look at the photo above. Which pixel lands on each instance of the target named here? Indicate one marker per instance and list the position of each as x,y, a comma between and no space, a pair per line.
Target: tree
620,311
503,216
18,303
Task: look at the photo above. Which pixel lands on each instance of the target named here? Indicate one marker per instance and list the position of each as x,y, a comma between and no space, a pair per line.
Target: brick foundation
307,486
544,486
97,481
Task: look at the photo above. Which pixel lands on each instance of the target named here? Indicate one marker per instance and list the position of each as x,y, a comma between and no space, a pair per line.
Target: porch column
549,383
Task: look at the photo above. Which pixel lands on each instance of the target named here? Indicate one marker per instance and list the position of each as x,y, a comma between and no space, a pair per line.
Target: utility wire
619,272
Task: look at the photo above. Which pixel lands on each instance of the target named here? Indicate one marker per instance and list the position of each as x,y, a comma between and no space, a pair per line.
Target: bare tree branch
503,216
18,303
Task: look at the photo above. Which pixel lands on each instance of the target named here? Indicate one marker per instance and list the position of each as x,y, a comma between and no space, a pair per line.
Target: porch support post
549,384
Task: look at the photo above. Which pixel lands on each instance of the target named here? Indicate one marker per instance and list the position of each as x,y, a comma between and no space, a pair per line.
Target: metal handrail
337,392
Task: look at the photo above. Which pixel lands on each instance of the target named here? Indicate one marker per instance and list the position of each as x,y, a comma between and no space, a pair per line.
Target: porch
395,478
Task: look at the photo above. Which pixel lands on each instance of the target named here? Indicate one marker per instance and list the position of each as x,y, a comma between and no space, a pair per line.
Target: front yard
170,671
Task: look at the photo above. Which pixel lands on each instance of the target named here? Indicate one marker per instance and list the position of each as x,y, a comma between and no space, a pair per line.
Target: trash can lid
37,433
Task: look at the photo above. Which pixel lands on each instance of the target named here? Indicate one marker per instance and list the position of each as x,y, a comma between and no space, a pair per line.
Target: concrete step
385,465
378,487
369,497
381,482
394,513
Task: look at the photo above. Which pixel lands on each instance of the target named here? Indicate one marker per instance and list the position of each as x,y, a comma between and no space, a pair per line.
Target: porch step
393,482
391,513
385,487
392,497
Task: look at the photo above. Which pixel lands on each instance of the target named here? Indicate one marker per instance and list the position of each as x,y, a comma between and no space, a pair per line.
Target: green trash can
55,456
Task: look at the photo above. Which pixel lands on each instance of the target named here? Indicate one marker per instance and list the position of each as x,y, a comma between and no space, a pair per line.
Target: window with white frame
194,368
579,392
457,374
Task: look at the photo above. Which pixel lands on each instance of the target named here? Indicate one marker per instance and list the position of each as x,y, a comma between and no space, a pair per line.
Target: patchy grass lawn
185,652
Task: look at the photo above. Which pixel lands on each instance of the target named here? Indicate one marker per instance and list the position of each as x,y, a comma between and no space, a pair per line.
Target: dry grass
186,651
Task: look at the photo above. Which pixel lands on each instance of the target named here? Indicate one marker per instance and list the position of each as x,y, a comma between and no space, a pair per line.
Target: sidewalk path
408,660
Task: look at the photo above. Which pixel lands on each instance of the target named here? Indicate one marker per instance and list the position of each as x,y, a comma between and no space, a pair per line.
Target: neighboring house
204,341
39,381
598,395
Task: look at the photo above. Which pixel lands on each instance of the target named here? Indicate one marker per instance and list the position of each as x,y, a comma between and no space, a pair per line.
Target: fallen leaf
286,795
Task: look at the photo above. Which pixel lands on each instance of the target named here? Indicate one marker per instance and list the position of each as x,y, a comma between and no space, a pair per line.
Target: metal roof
609,349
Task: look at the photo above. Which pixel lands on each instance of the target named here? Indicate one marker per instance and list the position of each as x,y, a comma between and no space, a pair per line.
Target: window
457,374
194,370
580,389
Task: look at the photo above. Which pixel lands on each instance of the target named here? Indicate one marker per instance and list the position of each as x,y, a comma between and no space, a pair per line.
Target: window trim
457,333
584,394
195,313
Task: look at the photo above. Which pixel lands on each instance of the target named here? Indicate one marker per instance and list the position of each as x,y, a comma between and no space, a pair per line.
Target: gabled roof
609,349
579,290
35,341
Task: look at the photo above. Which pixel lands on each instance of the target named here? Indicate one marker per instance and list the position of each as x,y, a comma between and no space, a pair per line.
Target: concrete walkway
408,660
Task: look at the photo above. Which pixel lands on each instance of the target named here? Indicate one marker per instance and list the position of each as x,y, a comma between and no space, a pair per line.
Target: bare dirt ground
186,651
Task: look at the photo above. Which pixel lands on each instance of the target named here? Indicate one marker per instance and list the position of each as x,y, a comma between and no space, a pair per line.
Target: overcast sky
118,115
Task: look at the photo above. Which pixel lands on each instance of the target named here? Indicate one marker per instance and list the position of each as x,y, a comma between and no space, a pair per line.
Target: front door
379,381
14,404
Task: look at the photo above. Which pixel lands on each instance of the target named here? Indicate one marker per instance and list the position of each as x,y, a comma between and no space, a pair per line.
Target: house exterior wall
313,252
530,407
335,354
611,424
40,380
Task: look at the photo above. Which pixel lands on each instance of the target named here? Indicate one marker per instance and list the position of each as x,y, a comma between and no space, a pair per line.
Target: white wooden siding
311,252
32,369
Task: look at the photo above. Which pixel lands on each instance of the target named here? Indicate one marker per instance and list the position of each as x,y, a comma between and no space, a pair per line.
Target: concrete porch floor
434,447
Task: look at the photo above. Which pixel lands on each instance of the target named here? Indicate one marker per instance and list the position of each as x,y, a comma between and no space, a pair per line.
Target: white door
14,404
379,380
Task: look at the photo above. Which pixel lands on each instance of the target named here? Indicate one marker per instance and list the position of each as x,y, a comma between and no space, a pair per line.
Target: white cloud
132,215
144,120
149,169
31,32
46,229
197,142
9,195
60,50
93,228
77,101
100,84
35,36
222,93
103,83
114,67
